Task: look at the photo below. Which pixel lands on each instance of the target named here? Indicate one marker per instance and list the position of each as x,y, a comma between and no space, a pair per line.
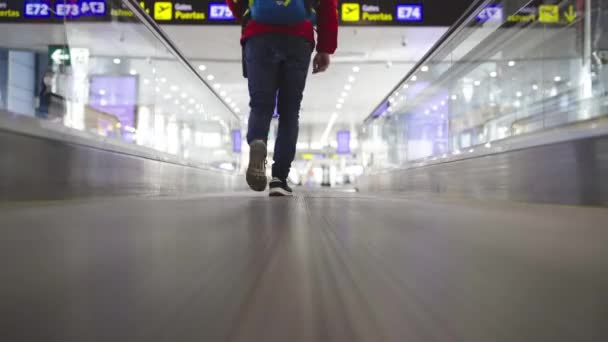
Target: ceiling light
511,63
344,94
347,87
339,106
427,112
167,96
102,92
454,97
164,80
146,81
210,77
494,74
117,60
477,83
190,111
356,69
405,86
174,88
414,78
340,100
443,103
184,95
202,67
223,93
519,94
557,79
434,107
191,101
217,86
351,79
154,71
176,102
133,72
237,110
535,86
424,68
157,89
228,100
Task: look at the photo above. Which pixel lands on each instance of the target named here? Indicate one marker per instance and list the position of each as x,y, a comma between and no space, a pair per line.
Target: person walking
278,40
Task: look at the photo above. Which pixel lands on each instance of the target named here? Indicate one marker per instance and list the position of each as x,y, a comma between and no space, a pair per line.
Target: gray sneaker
256,172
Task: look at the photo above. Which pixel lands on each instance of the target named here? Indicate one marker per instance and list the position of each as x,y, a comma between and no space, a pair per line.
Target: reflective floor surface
323,266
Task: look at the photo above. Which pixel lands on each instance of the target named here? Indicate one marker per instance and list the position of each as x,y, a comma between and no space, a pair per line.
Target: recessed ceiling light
133,72
340,100
339,106
535,86
217,86
424,68
519,94
511,63
202,67
356,69
117,60
477,83
174,88
184,95
210,77
347,87
102,92
191,101
414,78
223,93
493,74
557,79
344,94
351,79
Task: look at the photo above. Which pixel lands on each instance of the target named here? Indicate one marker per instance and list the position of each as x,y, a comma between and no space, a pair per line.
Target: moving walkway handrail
158,32
469,13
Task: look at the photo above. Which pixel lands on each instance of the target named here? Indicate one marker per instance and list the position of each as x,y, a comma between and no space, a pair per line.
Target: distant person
278,41
44,96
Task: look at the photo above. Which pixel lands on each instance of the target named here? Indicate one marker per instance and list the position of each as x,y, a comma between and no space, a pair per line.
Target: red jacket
327,25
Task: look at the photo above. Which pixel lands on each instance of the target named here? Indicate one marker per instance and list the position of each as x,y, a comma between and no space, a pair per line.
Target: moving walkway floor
322,266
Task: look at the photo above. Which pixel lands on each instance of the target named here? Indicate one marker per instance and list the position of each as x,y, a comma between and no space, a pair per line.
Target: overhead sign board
216,12
401,12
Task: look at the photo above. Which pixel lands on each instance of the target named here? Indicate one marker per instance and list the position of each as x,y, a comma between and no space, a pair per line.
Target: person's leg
262,61
292,80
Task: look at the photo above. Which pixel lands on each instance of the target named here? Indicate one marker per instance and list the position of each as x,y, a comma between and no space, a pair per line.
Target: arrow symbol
571,14
58,56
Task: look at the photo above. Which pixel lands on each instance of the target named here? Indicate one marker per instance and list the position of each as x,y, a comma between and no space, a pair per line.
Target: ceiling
382,56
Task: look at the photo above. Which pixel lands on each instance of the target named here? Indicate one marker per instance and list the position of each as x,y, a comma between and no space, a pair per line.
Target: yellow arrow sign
570,15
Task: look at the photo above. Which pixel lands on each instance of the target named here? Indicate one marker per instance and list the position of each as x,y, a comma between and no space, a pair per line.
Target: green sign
59,55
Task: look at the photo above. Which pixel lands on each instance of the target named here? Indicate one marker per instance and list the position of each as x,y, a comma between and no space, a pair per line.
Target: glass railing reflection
513,68
111,77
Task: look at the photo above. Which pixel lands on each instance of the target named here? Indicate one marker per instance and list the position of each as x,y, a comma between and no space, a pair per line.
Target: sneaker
279,188
256,171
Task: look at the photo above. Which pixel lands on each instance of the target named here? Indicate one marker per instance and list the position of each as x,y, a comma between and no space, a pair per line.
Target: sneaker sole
257,155
280,192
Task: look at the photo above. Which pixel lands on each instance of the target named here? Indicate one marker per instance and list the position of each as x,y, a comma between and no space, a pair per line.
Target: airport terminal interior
450,181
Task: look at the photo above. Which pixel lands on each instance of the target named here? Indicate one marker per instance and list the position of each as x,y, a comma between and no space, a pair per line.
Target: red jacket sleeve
327,26
235,7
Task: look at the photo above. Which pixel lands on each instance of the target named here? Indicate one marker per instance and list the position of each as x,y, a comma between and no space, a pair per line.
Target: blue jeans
277,65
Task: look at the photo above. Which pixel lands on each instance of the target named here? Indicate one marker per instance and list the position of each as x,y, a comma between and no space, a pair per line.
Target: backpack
281,12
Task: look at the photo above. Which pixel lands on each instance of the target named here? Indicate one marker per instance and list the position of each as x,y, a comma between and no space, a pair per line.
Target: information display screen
216,12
